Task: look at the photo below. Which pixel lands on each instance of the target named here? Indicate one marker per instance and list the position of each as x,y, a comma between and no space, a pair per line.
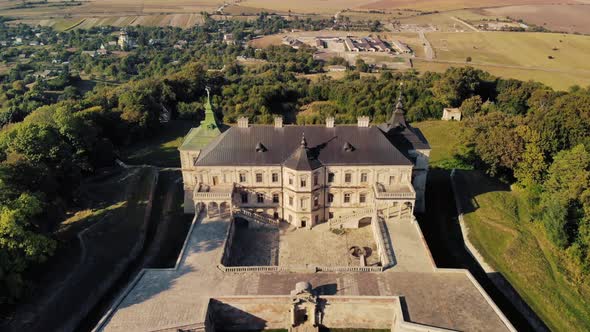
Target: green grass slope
503,230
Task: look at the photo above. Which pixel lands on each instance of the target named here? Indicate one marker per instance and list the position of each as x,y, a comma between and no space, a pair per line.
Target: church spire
209,121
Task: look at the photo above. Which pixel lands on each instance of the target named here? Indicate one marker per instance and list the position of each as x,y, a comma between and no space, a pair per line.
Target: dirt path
428,50
464,23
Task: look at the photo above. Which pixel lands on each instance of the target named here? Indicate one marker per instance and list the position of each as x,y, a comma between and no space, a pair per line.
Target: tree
532,166
471,106
496,142
20,244
361,65
566,197
458,84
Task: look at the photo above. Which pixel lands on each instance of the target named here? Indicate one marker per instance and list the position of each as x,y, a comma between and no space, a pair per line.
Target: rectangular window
362,198
242,177
346,198
330,177
316,219
290,218
330,198
364,177
290,200
303,182
244,197
275,198
316,201
260,197
290,180
303,203
347,177
258,177
330,215
275,177
315,179
391,180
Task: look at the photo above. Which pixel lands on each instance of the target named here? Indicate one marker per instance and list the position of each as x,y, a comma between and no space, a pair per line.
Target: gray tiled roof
237,146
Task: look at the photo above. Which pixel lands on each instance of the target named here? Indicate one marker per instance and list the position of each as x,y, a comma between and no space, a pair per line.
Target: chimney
278,121
363,121
330,122
242,122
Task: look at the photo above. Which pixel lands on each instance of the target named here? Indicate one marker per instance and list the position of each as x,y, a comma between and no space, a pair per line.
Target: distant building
336,68
400,47
228,38
124,41
451,114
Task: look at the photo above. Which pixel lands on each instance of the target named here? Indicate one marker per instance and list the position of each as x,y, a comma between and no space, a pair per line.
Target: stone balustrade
337,222
381,192
249,268
349,268
205,192
255,217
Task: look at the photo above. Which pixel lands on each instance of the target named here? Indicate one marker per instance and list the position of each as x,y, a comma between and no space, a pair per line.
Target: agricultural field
443,5
556,80
527,55
564,18
63,15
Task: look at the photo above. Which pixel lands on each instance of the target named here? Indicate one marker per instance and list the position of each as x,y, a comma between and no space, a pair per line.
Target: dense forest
522,132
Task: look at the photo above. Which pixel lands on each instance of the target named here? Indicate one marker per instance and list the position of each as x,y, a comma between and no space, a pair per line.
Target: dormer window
260,147
348,147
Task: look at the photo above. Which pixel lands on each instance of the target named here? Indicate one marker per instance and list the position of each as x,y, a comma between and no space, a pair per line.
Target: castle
305,175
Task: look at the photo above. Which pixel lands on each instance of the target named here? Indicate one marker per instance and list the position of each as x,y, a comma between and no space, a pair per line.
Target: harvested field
527,50
556,80
441,5
305,6
565,18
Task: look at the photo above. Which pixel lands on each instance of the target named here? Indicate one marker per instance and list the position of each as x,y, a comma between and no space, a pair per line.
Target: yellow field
558,81
56,13
519,55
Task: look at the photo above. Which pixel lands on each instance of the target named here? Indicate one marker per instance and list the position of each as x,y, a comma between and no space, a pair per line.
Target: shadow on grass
442,231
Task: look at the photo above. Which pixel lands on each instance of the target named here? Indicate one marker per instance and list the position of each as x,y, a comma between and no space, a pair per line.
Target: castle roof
400,133
284,146
200,137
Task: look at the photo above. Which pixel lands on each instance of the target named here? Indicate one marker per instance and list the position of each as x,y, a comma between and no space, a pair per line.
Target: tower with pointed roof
194,142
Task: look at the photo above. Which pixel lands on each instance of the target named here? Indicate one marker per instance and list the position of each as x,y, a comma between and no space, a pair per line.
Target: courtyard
292,247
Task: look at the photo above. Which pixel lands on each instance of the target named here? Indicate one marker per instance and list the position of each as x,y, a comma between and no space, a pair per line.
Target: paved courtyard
255,247
171,298
322,247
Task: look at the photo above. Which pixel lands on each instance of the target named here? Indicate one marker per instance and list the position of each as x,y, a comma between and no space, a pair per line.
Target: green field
502,230
443,137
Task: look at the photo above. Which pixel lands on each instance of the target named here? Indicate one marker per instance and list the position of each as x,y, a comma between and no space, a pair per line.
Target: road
428,50
465,23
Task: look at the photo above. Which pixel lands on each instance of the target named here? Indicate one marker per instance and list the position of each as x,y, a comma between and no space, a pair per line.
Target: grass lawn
502,230
443,137
160,150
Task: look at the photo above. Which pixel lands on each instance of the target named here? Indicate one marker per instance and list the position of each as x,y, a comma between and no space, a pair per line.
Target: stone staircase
255,217
340,221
